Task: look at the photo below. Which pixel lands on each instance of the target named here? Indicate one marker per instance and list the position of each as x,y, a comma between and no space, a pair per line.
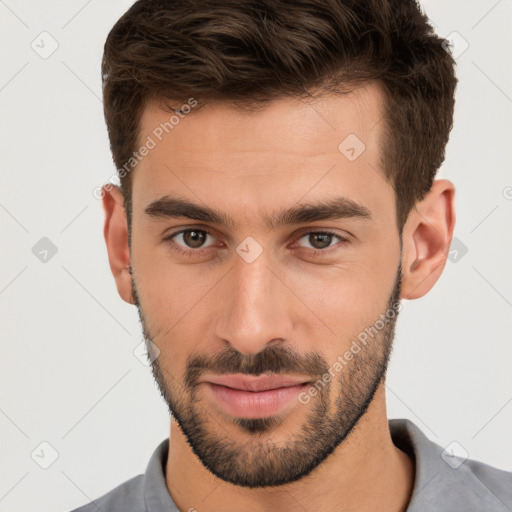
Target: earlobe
115,232
426,237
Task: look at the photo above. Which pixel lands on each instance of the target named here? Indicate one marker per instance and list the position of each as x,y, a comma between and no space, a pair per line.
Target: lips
244,396
255,384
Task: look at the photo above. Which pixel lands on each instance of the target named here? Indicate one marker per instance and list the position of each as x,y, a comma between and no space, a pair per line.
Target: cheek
175,300
344,300
167,290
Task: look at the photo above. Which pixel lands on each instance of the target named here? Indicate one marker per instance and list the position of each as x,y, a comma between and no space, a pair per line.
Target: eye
319,240
191,238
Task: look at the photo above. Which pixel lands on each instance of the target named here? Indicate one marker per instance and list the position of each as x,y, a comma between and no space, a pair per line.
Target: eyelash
190,252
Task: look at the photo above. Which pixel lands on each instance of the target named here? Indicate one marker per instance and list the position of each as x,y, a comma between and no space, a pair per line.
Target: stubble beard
251,458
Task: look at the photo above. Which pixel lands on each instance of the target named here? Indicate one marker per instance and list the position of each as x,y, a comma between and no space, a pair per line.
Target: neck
366,472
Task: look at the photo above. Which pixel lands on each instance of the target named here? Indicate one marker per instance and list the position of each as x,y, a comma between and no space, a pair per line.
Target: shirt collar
156,494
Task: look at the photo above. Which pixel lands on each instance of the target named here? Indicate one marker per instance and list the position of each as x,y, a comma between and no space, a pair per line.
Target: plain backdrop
75,397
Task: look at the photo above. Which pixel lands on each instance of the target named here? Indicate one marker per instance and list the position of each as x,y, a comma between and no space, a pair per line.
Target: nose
254,307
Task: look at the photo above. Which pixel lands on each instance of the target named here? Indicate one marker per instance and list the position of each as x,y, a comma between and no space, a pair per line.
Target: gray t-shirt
443,482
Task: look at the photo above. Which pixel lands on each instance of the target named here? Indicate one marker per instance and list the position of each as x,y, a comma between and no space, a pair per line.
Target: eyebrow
337,208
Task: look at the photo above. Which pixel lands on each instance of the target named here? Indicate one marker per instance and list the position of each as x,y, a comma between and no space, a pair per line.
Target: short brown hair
249,52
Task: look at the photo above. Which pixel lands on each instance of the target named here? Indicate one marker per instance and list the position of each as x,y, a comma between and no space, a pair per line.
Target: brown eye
191,238
320,239
194,239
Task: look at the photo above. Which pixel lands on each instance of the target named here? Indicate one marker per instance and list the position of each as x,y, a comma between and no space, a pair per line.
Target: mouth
249,397
256,383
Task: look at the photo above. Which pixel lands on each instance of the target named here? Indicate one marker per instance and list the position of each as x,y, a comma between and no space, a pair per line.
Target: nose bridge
254,313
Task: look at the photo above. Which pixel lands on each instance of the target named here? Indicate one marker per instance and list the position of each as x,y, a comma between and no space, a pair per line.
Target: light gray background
68,374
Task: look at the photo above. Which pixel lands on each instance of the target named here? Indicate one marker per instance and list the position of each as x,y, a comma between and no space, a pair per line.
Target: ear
116,238
427,235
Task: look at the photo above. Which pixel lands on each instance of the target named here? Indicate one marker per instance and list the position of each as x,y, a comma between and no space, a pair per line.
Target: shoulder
472,486
447,482
141,493
126,497
488,481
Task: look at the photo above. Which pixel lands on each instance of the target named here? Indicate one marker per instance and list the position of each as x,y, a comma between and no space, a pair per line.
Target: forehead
298,121
289,149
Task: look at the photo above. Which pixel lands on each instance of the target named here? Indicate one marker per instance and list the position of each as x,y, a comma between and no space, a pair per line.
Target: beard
258,461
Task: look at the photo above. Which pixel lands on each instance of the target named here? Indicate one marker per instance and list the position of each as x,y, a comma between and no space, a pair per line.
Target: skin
289,309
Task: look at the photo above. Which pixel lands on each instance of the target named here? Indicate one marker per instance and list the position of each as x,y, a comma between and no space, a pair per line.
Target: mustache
274,359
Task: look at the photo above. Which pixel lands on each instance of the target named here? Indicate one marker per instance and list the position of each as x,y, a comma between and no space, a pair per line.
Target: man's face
292,298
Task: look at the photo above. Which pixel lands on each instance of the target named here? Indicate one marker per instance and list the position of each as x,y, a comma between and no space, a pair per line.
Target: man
277,200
